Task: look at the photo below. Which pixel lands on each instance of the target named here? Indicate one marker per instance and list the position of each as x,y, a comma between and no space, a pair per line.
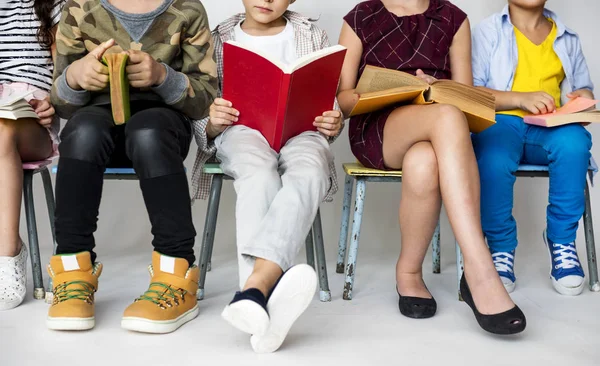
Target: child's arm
347,97
193,90
535,102
76,71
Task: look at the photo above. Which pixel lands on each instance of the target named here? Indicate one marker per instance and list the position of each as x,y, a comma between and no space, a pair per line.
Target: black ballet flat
509,322
416,307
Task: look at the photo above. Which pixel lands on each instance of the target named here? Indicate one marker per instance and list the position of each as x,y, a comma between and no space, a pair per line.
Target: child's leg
419,212
157,142
447,130
304,165
246,156
85,150
566,150
499,150
22,140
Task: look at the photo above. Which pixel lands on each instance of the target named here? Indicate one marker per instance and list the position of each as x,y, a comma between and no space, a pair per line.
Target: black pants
155,141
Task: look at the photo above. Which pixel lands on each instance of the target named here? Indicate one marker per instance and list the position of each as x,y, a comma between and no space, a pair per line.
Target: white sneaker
289,300
13,279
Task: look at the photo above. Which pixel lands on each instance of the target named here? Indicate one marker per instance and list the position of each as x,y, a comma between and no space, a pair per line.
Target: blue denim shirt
495,54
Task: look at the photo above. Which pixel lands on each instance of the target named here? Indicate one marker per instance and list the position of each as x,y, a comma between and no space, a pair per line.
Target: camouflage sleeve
199,67
69,48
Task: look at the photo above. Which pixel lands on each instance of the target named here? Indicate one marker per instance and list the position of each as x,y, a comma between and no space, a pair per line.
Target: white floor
367,330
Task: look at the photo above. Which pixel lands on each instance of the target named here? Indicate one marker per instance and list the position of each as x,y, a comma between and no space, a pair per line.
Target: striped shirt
22,58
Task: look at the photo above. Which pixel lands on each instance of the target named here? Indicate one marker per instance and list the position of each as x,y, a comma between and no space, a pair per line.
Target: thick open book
16,107
379,88
119,86
574,111
280,101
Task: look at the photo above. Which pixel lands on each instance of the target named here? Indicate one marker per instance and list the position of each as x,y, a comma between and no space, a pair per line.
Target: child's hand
585,93
330,123
537,102
222,115
88,73
428,79
44,110
143,70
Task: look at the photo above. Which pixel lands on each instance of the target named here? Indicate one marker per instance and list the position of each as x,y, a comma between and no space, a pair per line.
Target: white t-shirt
280,46
22,58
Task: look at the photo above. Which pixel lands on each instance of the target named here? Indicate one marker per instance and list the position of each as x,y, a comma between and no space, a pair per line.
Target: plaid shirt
309,39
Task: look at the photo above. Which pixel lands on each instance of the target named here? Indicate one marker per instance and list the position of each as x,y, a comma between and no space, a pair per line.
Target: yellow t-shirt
538,69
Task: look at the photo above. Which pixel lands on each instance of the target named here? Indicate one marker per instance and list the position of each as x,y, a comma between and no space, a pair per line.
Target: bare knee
420,170
451,120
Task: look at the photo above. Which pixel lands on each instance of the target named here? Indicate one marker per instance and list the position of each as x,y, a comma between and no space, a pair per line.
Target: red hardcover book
280,101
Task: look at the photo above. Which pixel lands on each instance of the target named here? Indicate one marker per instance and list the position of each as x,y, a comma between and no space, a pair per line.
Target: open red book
280,101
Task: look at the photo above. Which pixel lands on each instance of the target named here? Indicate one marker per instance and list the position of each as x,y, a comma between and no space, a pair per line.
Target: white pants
277,194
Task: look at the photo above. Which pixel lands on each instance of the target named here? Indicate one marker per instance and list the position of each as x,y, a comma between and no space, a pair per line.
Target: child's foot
505,263
170,300
13,279
75,281
566,274
248,312
289,300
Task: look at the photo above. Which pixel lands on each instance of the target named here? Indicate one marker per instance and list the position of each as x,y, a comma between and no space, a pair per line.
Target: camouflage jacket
179,37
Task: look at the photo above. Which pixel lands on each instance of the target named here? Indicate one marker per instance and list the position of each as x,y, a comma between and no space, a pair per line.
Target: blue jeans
501,148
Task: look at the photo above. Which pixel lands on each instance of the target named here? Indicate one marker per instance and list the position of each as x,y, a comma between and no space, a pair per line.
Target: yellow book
119,86
380,88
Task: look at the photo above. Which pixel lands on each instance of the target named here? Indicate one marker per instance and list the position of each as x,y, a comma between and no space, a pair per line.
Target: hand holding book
44,110
88,73
222,115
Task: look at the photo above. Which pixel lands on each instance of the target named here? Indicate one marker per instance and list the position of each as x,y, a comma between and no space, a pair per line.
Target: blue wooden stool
29,170
314,240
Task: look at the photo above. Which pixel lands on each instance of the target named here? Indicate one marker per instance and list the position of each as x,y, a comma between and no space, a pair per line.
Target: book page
14,97
376,79
477,104
557,119
312,57
574,106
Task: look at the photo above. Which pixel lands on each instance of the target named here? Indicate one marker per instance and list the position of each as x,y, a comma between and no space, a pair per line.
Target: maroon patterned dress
408,43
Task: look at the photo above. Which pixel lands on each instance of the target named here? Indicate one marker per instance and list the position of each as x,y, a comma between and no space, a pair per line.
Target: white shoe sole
567,291
144,325
70,323
247,316
289,300
510,287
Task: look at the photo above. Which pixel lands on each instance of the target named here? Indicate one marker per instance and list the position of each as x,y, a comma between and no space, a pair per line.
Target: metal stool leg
348,185
435,245
460,268
34,249
590,242
359,205
310,251
47,181
210,225
325,293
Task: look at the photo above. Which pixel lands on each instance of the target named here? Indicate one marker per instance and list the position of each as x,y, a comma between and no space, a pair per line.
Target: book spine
282,106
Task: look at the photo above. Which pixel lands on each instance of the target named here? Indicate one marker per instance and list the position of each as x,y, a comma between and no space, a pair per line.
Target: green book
119,86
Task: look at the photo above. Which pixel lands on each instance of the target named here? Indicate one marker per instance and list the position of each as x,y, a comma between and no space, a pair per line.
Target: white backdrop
124,225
